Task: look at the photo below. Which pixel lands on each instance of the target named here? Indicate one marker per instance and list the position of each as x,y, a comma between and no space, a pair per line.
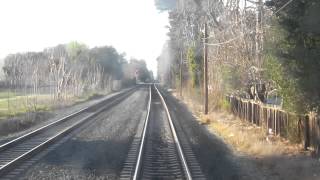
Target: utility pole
259,36
181,62
205,69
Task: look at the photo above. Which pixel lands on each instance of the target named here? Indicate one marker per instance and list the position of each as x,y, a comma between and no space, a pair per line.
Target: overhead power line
285,5
225,42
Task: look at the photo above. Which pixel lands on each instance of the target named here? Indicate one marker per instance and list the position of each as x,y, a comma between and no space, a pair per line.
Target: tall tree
298,50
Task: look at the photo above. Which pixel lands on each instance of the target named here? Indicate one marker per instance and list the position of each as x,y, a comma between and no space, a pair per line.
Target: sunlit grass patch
248,138
241,135
19,111
16,105
7,94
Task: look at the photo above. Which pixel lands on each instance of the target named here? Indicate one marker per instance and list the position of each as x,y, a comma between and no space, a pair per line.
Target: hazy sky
131,26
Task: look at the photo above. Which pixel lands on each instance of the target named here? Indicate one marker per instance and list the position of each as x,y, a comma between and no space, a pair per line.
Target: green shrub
194,66
286,84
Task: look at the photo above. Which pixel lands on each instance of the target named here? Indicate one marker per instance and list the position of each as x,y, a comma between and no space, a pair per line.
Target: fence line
303,129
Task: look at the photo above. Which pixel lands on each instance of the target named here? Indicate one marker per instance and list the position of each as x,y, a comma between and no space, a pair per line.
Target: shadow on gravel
98,151
218,161
214,156
104,158
23,122
95,96
279,167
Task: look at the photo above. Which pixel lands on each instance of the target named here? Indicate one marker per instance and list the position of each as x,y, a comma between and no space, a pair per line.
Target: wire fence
297,128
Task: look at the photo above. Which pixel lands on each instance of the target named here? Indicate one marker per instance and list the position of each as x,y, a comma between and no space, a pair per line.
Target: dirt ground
259,155
99,151
16,126
226,148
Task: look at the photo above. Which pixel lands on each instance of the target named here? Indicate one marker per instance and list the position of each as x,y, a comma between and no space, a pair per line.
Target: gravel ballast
19,125
215,157
99,151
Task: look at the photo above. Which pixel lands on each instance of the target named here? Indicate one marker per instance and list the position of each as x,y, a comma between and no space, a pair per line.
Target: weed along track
19,154
156,152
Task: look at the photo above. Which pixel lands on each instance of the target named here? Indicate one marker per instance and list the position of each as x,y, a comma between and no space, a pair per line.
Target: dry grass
244,137
20,112
247,138
16,105
264,156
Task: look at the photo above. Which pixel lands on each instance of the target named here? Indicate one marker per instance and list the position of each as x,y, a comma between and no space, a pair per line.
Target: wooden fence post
251,112
306,132
267,120
276,119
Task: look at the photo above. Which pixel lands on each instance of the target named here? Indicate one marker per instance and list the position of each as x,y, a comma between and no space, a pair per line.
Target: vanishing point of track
159,149
157,152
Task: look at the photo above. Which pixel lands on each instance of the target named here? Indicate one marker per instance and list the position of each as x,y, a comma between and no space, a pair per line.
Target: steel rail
5,168
139,159
60,134
177,142
15,141
137,171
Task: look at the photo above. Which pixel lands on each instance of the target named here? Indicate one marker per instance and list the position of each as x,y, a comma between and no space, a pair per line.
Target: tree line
263,50
71,70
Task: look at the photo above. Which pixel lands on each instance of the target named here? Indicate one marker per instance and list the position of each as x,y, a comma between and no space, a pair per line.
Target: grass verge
20,112
264,156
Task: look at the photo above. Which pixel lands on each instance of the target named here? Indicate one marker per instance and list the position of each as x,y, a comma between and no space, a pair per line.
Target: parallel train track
156,151
16,152
159,149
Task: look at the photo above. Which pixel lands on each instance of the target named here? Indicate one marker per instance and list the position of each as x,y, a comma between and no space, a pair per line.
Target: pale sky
131,26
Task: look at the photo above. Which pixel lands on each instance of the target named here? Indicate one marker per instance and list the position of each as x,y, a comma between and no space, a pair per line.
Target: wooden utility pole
181,62
205,69
258,35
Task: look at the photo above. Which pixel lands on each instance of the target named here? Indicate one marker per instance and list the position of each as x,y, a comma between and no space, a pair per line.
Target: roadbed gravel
100,150
216,158
45,118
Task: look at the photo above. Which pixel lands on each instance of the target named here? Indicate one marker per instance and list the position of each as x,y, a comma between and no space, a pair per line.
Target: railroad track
16,152
156,151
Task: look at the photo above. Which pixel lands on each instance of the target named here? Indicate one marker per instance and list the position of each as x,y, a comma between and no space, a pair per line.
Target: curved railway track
16,152
156,151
